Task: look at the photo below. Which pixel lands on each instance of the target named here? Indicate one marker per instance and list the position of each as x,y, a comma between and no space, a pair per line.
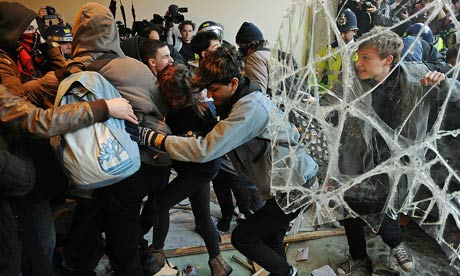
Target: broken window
410,166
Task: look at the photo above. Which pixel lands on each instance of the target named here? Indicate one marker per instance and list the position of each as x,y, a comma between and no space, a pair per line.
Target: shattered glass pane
415,162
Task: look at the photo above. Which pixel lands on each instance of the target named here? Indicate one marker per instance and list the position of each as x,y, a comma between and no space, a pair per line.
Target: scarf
28,54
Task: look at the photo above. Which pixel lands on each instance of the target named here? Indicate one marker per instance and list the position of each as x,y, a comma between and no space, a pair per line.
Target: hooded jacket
94,34
14,19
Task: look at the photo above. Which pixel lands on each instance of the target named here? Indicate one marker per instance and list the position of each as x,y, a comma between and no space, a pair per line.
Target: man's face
347,36
369,65
186,33
221,93
213,45
162,59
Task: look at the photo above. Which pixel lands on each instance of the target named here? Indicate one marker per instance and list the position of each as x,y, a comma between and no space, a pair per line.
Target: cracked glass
369,167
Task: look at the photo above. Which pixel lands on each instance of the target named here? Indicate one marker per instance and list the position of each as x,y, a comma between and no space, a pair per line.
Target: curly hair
385,41
219,67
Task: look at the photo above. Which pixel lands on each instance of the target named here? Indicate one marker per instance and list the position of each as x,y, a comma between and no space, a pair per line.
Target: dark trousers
192,181
390,232
115,210
260,237
224,184
39,237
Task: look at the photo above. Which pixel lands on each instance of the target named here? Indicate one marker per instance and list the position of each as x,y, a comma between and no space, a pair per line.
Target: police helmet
211,26
347,21
58,33
426,33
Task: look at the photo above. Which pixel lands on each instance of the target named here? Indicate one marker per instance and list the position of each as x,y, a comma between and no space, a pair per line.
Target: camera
173,15
50,13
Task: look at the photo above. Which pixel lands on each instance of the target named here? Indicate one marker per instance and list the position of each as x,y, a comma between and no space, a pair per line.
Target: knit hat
248,32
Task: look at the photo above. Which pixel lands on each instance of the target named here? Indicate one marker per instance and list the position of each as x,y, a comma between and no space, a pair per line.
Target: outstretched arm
23,116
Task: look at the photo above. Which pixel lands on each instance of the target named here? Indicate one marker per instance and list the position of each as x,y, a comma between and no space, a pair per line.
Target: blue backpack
101,154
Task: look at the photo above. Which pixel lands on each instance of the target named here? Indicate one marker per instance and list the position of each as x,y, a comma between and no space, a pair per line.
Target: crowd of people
197,105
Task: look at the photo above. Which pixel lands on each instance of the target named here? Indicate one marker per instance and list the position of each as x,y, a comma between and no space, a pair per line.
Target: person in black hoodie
192,114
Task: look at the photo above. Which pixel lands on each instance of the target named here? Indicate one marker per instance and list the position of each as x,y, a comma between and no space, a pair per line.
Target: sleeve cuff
100,110
163,143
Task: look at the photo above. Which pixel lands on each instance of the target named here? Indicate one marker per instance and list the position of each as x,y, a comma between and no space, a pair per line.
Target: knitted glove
145,136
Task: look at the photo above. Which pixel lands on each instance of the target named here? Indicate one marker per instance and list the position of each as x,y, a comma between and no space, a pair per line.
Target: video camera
50,13
173,15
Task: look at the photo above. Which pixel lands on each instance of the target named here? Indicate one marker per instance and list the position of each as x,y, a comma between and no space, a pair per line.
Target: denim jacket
245,135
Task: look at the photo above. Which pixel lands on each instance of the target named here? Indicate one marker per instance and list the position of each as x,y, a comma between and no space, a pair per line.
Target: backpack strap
95,65
101,61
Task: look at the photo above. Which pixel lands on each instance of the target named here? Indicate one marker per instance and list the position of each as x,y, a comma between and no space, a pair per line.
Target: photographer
389,14
183,43
49,13
173,16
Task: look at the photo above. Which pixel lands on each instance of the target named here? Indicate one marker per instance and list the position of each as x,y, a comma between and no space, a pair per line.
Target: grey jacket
256,67
277,169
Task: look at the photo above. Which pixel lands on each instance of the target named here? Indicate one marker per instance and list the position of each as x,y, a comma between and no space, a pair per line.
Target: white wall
266,14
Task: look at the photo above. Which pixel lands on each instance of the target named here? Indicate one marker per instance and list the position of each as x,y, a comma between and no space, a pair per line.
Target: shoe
189,270
219,267
292,271
158,255
150,265
403,257
350,266
223,225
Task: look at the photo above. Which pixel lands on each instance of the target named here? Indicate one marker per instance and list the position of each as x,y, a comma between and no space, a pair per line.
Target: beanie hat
248,32
14,20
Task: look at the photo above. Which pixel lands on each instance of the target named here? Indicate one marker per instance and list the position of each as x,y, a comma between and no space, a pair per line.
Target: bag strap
95,65
101,61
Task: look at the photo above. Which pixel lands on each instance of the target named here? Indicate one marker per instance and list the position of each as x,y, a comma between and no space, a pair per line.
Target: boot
158,255
219,267
223,225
